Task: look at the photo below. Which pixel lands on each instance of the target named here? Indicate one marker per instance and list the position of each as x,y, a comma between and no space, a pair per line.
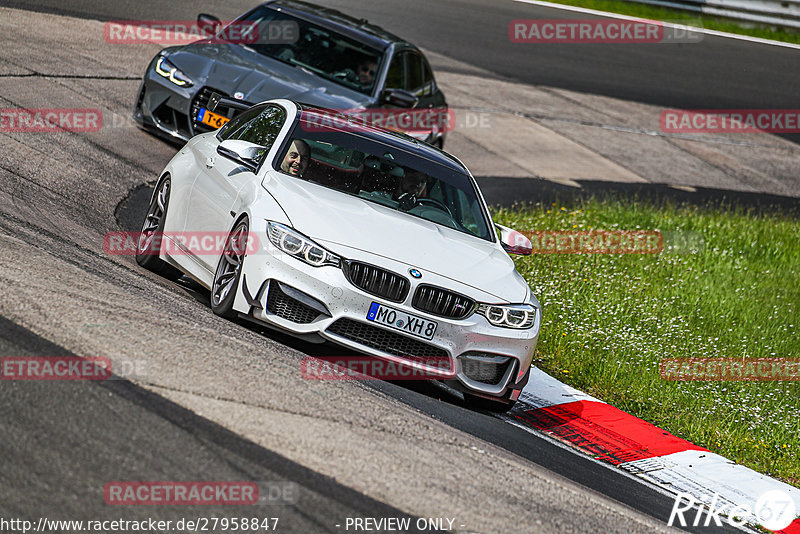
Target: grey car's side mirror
514,242
209,24
244,152
400,98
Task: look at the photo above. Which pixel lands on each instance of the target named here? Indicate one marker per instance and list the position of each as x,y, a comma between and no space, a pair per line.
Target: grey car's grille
201,101
390,343
442,302
488,369
288,308
377,281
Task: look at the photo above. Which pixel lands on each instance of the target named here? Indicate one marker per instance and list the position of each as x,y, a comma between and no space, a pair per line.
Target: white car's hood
331,217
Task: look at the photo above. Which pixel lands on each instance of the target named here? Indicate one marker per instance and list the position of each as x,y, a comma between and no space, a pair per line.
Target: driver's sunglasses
367,70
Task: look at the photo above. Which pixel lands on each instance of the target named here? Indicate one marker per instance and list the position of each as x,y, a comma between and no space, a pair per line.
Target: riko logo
774,510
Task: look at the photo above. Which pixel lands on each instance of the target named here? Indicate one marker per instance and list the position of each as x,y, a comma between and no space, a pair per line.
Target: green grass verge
691,18
730,287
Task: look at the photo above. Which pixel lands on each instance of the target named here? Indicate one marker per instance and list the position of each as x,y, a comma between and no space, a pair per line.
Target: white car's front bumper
338,312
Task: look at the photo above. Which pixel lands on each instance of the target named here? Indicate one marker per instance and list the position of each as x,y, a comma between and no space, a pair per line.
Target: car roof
359,29
323,116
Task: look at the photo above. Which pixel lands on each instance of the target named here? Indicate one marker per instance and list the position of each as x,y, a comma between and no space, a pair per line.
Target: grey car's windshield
315,49
385,175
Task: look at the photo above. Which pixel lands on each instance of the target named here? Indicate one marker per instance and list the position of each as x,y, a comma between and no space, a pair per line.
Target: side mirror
514,242
216,99
244,152
399,98
208,24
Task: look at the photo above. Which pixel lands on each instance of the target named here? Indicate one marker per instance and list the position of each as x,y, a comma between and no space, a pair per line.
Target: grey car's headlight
172,73
509,315
296,244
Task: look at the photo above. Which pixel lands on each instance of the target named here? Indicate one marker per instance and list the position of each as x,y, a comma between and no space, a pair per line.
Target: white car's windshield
386,175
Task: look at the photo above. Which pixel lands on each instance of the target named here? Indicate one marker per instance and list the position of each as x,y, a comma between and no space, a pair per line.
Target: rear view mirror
514,242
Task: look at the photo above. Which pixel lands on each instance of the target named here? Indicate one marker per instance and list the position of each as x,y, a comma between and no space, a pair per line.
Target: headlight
171,72
296,244
509,316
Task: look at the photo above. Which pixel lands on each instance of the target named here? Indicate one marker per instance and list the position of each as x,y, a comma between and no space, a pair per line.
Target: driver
296,160
411,187
413,183
366,73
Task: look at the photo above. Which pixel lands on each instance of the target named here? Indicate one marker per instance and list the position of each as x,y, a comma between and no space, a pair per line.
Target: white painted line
666,24
542,390
704,474
665,491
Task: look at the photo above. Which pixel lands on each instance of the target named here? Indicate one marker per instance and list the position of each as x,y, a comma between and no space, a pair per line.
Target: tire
229,270
150,239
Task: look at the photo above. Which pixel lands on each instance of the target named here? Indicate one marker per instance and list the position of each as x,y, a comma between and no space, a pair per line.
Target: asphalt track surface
714,73
47,424
67,439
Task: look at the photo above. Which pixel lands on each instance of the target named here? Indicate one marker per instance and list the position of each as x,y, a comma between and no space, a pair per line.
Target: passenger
297,158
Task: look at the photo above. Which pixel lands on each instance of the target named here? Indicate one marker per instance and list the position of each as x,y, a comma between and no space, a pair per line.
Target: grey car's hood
332,217
236,68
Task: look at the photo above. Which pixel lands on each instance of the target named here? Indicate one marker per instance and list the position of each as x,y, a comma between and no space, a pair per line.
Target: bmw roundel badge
415,273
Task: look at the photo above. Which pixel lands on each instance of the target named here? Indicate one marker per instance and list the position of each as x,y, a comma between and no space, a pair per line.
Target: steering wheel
348,75
434,203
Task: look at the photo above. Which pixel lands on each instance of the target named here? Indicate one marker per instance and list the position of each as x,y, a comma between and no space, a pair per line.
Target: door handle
210,162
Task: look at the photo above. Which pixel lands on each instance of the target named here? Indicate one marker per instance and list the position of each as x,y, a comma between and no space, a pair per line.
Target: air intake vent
287,307
389,342
377,281
442,302
486,368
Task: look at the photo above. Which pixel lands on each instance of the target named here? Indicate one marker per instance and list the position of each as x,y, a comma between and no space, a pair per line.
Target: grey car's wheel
229,269
150,239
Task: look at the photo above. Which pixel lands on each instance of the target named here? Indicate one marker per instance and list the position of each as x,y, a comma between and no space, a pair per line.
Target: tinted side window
394,78
261,130
264,129
414,78
235,125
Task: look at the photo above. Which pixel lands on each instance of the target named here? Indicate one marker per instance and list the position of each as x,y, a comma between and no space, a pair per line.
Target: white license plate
402,321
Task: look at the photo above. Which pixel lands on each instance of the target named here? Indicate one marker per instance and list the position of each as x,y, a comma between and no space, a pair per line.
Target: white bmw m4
333,230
